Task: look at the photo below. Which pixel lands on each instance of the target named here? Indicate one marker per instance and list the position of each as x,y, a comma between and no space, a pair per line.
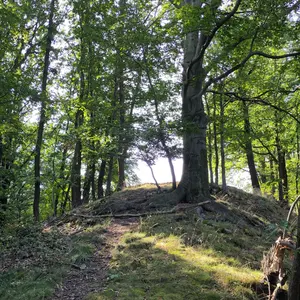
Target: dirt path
80,282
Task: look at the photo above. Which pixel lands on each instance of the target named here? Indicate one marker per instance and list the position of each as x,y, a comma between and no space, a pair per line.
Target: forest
89,88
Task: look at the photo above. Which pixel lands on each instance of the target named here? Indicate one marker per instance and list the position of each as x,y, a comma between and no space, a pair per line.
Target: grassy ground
169,258
33,262
175,256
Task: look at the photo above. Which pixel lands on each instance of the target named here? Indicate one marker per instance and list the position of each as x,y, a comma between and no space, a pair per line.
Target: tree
43,111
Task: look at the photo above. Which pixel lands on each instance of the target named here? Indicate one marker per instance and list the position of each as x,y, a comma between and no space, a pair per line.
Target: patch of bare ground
91,276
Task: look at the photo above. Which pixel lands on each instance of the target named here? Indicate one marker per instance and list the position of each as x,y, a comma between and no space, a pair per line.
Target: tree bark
101,179
216,143
222,146
294,284
210,149
194,182
42,121
109,176
87,185
76,166
249,150
282,171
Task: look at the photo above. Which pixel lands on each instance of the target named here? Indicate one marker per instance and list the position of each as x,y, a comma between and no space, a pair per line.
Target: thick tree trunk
249,150
194,185
42,121
101,179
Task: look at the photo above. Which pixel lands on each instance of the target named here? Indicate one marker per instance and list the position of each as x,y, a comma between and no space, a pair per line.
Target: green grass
41,260
181,258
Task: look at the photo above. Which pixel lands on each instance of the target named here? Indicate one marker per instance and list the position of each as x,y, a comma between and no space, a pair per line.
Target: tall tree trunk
222,146
87,185
210,149
294,283
42,121
93,185
109,176
272,176
76,165
282,172
101,179
194,182
66,199
263,175
216,143
122,146
298,151
5,166
249,150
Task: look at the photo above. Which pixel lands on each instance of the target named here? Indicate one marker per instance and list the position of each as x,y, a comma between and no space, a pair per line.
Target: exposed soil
90,278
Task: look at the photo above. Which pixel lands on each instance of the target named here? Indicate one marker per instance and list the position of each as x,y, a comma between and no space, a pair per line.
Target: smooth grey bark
42,121
249,150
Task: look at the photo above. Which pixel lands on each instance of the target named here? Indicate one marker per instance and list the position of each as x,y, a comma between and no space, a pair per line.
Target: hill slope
187,253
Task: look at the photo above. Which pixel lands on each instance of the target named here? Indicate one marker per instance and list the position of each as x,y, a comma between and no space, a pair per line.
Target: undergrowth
181,257
34,261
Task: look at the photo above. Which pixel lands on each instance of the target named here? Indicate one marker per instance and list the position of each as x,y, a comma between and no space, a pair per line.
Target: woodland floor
91,276
213,255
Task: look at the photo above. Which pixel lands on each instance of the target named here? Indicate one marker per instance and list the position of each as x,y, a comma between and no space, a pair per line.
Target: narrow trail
78,283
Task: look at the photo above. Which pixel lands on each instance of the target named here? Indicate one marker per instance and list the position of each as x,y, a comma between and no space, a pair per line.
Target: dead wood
273,266
176,209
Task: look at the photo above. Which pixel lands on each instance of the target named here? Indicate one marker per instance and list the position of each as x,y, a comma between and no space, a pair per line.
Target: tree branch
211,36
241,64
255,101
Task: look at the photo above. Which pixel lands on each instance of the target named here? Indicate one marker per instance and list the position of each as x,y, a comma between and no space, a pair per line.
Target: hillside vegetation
213,253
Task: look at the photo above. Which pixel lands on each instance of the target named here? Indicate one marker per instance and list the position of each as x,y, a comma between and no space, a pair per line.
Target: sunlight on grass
159,267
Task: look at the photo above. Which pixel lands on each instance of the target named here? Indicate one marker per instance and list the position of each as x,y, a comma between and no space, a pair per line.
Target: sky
161,171
237,178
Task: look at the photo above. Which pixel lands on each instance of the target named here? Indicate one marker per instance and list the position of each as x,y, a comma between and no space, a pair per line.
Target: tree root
177,208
